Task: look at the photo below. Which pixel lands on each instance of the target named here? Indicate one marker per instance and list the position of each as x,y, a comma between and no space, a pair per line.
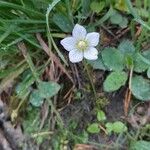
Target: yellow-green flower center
82,45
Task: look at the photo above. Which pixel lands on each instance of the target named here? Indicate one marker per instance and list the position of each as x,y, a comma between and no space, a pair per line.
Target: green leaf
139,64
109,127
119,127
124,22
116,18
97,64
148,72
141,88
23,88
101,116
62,22
85,7
121,5
31,121
113,59
135,14
93,128
126,47
129,61
48,89
140,145
97,6
142,12
114,81
146,56
35,98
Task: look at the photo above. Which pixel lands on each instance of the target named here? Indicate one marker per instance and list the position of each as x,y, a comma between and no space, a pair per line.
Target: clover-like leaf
114,81
141,88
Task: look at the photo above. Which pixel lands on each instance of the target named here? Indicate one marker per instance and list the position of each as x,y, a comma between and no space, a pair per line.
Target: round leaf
119,127
35,99
93,128
101,116
48,89
139,64
113,59
114,81
109,127
146,54
126,47
97,6
140,145
124,23
116,18
97,64
140,88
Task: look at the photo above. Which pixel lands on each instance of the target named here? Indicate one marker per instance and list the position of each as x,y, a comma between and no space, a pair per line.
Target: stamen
82,45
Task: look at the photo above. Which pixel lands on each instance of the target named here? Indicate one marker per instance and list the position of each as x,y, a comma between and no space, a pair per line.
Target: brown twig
128,93
52,56
117,37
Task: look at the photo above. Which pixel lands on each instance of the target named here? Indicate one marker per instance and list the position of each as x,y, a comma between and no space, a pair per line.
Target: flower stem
91,81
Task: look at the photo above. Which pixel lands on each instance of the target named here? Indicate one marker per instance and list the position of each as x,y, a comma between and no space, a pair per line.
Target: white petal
79,32
91,53
93,38
75,56
68,43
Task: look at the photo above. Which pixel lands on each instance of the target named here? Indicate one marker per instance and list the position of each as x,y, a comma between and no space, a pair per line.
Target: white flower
81,44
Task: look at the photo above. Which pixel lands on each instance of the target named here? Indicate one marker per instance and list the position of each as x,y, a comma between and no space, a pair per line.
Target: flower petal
91,53
68,43
75,56
93,38
79,32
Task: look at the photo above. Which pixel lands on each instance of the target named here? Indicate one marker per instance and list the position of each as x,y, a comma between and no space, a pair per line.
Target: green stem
91,81
50,38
